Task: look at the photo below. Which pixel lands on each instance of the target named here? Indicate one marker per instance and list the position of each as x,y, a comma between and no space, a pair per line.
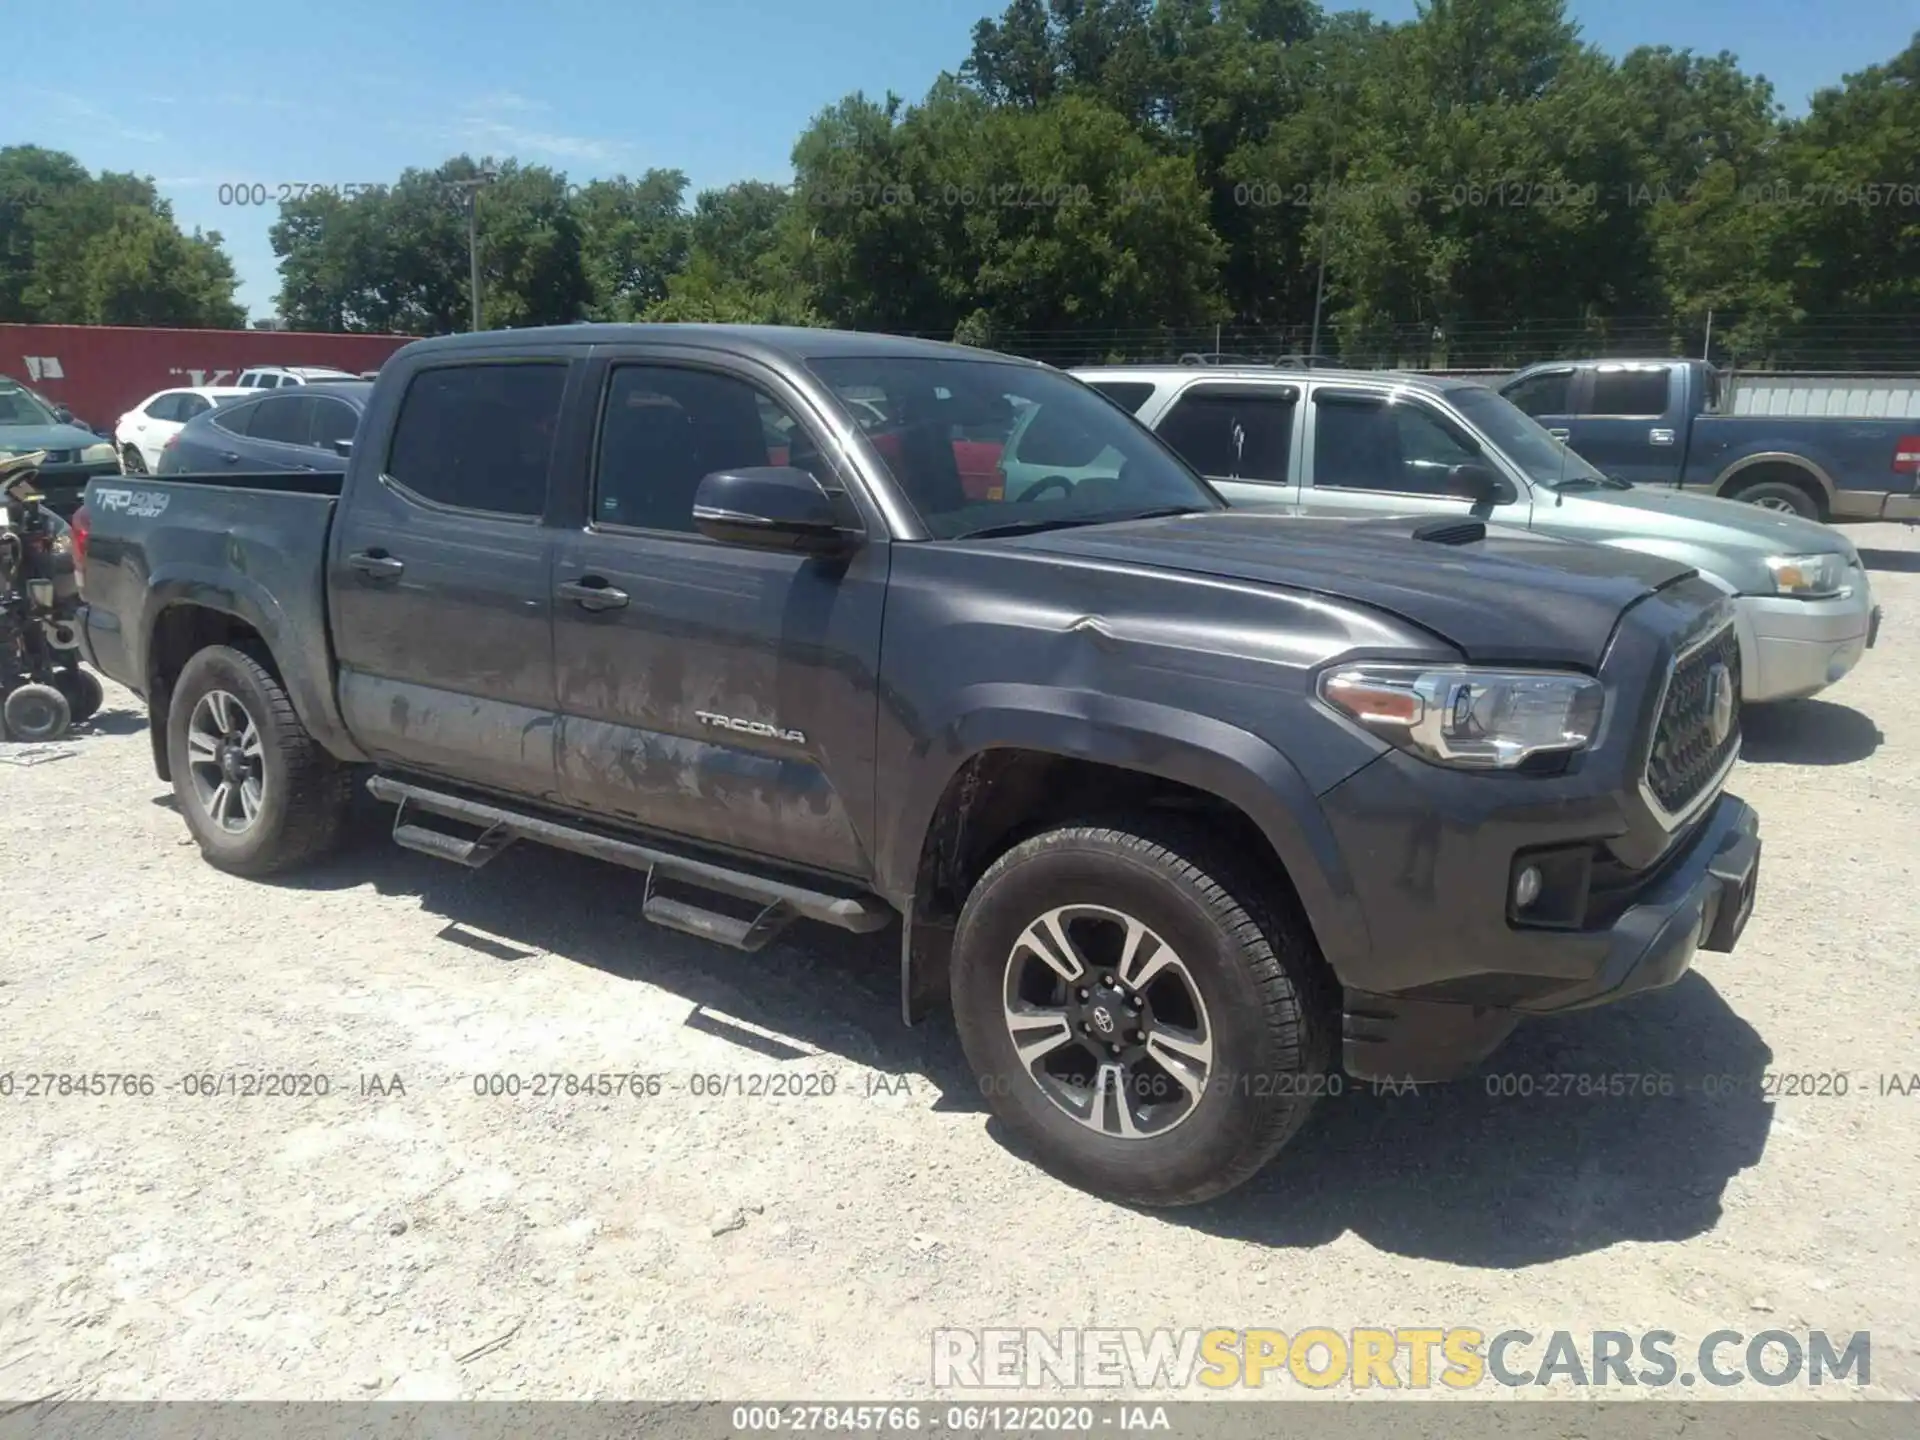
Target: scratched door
711,691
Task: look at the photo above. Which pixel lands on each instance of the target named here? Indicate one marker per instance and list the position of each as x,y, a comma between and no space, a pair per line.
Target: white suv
270,377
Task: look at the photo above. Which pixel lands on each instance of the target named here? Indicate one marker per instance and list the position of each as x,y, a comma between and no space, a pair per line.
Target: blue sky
350,91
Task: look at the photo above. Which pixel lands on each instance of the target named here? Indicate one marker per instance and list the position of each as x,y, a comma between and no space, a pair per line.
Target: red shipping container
99,372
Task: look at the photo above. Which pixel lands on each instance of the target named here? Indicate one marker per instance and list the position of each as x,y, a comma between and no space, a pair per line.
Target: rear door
440,576
1626,422
723,694
1241,437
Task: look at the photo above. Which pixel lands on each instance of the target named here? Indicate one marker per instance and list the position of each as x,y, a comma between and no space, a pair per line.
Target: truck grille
1687,756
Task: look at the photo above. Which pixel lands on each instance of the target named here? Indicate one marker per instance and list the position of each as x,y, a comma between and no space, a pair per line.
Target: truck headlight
1473,719
93,454
1811,577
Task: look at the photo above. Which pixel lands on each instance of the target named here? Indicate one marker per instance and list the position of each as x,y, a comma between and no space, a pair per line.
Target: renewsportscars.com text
1400,1358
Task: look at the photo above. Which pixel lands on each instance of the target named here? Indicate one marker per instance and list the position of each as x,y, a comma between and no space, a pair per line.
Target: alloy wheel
226,761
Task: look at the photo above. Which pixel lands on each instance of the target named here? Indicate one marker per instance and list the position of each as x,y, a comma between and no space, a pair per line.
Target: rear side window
166,407
284,420
1129,395
479,437
1548,394
1629,392
192,405
1233,437
233,418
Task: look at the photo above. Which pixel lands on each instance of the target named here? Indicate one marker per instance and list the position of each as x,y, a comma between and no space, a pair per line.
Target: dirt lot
403,1236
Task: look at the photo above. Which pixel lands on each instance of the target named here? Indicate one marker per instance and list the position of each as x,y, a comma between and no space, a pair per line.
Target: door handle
376,565
593,593
1561,435
1659,437
229,456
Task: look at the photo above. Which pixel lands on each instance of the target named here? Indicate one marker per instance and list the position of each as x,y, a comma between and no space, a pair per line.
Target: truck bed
253,545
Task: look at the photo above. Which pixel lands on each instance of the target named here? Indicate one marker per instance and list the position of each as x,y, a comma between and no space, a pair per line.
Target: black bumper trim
1701,902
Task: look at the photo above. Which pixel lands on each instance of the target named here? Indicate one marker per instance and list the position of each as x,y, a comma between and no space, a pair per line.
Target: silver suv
1360,443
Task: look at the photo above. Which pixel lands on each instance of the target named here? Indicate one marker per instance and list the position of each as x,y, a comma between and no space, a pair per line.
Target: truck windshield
20,406
1524,441
990,447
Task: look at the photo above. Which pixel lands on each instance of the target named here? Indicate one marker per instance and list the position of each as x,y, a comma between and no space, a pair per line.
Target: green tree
79,249
634,234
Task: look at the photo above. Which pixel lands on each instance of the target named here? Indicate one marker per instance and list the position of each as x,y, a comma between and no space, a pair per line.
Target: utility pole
471,188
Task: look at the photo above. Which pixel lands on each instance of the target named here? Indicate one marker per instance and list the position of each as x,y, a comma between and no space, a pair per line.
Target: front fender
1222,760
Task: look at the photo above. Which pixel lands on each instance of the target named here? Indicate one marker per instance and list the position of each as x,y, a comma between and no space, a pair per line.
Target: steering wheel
1033,491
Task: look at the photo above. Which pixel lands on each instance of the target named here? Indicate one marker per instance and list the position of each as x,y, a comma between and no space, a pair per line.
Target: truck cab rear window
1629,392
479,437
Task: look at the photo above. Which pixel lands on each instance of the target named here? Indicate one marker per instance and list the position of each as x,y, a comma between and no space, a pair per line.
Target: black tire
1782,495
132,462
83,690
304,793
36,714
1257,970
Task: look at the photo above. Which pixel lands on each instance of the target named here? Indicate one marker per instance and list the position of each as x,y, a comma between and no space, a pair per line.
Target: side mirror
1482,484
770,507
343,447
63,414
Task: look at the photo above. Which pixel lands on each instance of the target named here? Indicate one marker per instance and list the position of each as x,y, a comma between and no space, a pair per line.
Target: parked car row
1184,809
1366,443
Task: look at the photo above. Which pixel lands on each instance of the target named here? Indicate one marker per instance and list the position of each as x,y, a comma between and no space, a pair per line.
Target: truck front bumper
1697,897
1794,648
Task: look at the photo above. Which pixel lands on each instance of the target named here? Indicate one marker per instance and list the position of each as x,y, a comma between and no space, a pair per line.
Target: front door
1371,454
718,693
441,578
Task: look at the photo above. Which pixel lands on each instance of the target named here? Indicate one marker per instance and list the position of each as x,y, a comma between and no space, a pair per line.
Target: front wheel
1136,1014
132,462
258,792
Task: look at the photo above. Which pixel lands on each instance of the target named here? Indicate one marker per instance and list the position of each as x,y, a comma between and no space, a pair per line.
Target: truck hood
1670,514
1512,598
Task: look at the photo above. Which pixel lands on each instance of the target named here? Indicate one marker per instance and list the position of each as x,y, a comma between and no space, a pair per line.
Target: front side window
1372,443
981,445
166,407
1521,438
663,429
479,436
191,405
332,420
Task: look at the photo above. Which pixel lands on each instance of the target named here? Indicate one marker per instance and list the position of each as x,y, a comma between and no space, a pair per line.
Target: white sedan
142,433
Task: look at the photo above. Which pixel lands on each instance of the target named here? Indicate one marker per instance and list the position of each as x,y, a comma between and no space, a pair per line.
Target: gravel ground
404,1237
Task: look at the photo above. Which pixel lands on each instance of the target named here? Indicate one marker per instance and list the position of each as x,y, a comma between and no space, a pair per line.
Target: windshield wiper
1067,522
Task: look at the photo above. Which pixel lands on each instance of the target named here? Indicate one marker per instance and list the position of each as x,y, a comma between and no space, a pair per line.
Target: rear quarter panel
1855,456
256,555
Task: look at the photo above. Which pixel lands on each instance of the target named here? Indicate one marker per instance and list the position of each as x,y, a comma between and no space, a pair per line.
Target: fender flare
239,595
1811,468
1231,764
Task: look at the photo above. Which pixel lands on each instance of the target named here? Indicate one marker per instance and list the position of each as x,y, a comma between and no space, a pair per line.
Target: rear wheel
36,713
1782,496
132,462
1136,1014
258,792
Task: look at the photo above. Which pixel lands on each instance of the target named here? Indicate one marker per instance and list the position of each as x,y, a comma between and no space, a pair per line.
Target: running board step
781,901
442,846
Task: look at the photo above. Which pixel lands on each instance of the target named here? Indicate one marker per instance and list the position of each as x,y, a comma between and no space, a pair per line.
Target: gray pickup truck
1375,443
1666,423
1185,810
